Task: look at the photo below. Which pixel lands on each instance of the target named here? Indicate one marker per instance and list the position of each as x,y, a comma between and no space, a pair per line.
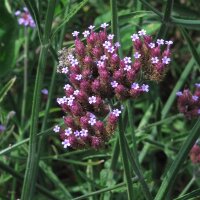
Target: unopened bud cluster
97,75
188,103
195,154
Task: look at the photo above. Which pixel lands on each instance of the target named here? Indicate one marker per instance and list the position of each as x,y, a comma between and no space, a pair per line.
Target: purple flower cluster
188,103
24,18
153,57
96,76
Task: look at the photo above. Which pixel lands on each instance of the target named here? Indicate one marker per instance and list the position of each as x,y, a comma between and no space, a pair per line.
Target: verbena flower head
24,18
97,75
195,154
188,103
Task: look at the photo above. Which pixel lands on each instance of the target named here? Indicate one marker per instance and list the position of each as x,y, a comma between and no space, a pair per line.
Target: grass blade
166,19
6,88
192,195
30,174
181,156
125,161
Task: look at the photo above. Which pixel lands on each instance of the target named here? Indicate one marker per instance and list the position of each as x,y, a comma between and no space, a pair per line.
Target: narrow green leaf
6,88
170,176
191,46
125,160
192,195
166,19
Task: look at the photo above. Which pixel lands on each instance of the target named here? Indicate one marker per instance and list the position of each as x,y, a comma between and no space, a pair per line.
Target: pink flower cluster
97,76
24,18
188,103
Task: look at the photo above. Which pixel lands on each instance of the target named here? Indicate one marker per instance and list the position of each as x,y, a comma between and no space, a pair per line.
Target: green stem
138,171
125,160
25,83
30,174
187,187
169,178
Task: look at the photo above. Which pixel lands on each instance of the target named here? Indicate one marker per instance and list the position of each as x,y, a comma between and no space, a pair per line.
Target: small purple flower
65,70
117,45
127,68
154,60
142,32
84,133
145,88
134,37
168,42
67,87
114,84
91,27
56,128
66,143
135,86
110,36
111,49
2,128
152,45
70,57
78,77
100,63
92,121
86,33
160,41
104,57
70,100
197,85
77,133
179,93
166,60
104,25
195,98
75,33
137,55
44,91
92,99
68,131
74,62
198,111
127,60
76,92
107,44
116,112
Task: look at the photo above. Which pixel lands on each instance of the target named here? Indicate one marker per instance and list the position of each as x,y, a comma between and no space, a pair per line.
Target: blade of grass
191,46
125,160
166,19
169,178
30,174
192,195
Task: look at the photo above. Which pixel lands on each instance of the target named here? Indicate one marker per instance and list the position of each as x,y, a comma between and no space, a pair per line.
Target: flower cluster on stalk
188,103
97,75
195,154
24,18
